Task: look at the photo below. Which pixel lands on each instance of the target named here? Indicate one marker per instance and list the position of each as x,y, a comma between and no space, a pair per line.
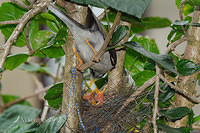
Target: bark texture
115,81
79,14
192,53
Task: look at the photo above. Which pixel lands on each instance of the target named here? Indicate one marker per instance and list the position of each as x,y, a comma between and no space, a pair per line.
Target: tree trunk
188,83
115,81
79,14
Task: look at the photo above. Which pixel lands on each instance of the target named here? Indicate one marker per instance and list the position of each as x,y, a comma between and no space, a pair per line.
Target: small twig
156,94
181,91
13,37
10,22
24,98
27,38
97,57
22,5
196,127
181,16
177,54
175,44
101,16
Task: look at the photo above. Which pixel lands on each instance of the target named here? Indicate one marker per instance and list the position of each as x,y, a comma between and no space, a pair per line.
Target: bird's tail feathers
70,22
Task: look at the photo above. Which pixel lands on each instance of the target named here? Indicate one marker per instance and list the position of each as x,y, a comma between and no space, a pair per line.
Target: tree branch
156,94
181,91
27,38
181,16
13,37
175,44
10,22
24,98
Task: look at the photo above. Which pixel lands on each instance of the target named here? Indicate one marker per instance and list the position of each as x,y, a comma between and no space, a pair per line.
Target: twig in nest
137,93
13,37
97,57
10,22
181,91
133,97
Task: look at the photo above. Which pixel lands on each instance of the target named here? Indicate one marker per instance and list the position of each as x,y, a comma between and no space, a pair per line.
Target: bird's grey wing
94,24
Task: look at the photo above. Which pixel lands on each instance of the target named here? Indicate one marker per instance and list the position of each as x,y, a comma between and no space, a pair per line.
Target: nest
107,118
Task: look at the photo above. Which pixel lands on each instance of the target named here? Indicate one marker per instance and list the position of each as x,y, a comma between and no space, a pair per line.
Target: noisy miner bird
89,39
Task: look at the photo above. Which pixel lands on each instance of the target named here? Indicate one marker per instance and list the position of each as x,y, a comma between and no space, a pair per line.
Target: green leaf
48,16
53,52
178,3
55,103
196,118
186,67
190,119
149,23
11,11
24,128
166,94
169,129
34,28
195,2
177,22
165,60
101,82
40,39
119,34
133,62
54,92
52,125
35,68
54,95
148,44
13,61
188,8
175,113
52,25
132,7
9,98
143,76
17,114
96,3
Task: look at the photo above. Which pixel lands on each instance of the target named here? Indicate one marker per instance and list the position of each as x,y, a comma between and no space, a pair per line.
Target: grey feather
94,32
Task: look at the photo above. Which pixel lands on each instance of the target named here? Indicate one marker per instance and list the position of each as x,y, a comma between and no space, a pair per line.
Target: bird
89,39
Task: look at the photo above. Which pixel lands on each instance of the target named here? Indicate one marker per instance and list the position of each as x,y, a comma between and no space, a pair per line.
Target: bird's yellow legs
95,100
77,56
95,52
